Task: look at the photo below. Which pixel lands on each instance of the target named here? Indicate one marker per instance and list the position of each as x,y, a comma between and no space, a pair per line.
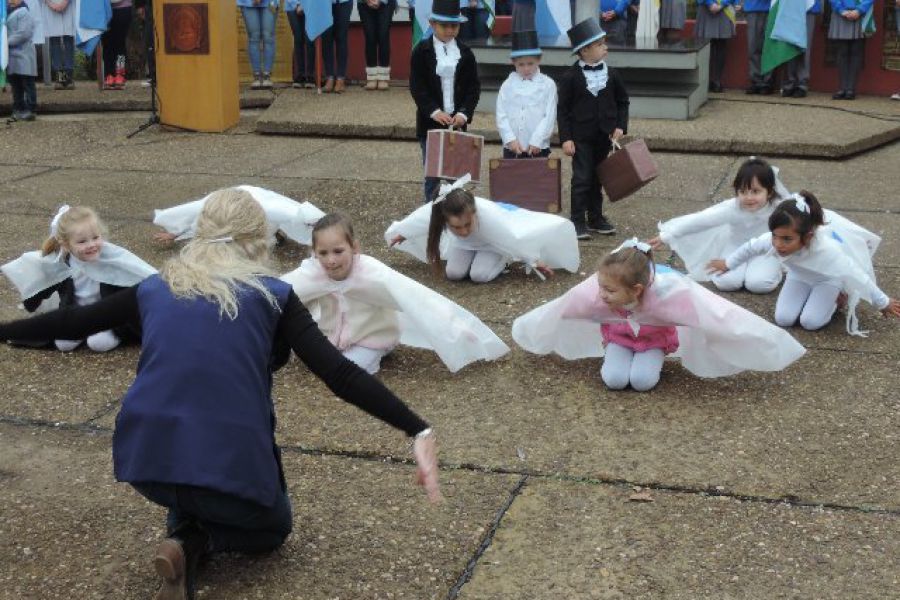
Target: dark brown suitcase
452,154
627,170
532,183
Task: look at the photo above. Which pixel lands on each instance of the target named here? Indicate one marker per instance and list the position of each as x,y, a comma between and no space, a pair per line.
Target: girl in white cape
646,311
76,266
294,219
822,262
718,230
478,237
365,308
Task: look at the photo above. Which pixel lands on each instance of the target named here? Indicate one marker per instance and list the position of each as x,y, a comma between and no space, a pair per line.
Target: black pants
24,92
113,39
849,58
587,196
717,54
304,50
376,25
507,153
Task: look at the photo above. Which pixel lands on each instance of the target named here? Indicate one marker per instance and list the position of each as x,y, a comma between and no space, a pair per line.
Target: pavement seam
30,175
714,193
859,113
294,159
486,541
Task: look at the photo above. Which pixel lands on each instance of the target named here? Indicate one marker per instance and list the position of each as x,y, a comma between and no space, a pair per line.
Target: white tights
760,275
368,359
480,265
622,366
99,342
814,305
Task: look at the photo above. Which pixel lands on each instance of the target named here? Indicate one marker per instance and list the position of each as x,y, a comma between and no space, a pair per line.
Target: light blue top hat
446,11
585,33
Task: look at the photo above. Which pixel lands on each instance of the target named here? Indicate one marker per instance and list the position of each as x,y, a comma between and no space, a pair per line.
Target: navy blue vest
200,409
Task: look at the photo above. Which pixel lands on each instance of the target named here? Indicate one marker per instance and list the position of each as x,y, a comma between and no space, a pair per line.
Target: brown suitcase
451,154
627,170
532,183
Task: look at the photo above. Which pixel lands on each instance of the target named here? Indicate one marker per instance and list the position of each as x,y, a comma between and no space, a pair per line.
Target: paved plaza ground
763,485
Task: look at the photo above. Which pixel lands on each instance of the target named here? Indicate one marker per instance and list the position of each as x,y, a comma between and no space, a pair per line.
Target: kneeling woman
196,430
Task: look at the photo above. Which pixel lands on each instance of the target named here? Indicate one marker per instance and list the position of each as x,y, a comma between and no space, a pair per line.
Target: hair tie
800,202
54,222
446,188
633,243
222,240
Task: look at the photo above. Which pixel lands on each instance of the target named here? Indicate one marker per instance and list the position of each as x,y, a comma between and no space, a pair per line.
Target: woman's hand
569,148
892,309
397,239
715,8
656,243
717,265
425,453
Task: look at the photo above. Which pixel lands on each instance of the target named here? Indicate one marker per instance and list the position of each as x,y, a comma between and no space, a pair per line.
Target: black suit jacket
585,117
425,85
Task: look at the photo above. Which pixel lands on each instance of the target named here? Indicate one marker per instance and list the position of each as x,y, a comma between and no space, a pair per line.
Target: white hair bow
220,240
446,188
800,201
633,243
54,222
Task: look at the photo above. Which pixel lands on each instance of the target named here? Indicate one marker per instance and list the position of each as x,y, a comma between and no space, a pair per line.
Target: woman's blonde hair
68,221
229,251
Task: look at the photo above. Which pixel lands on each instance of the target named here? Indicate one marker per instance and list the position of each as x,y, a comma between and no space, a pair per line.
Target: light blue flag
4,47
790,23
422,28
92,17
552,18
318,17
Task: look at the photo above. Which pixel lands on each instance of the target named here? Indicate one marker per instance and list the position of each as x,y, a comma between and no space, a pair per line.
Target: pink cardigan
648,336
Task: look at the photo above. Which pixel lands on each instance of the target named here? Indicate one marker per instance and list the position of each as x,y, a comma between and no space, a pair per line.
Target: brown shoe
329,86
176,562
339,86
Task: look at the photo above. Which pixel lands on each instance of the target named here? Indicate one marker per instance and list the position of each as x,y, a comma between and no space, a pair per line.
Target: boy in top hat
593,111
526,105
443,79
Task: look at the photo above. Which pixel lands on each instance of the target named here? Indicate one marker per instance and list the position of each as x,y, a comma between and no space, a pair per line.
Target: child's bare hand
616,134
544,269
397,239
533,150
443,118
656,243
516,147
164,237
459,120
569,148
892,309
714,8
717,265
425,453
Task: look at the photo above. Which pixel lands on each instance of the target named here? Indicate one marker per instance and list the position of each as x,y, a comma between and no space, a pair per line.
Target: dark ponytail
455,204
787,214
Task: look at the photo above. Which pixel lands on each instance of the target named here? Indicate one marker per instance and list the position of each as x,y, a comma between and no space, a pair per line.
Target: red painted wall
823,78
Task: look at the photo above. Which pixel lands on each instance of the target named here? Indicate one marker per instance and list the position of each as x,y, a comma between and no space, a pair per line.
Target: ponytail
803,213
50,246
454,204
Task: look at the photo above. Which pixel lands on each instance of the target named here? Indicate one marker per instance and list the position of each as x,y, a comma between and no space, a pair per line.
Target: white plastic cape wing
716,337
295,219
32,273
860,243
519,234
427,319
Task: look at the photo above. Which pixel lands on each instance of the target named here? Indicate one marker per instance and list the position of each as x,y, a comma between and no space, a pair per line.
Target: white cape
517,233
427,319
716,337
295,219
32,273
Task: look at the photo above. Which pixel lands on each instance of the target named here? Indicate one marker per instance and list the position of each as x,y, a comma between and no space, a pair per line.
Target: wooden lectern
196,64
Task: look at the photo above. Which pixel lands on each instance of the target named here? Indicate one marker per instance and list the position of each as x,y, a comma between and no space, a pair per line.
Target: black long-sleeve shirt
296,327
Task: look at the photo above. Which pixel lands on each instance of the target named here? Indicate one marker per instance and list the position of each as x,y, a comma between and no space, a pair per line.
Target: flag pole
319,65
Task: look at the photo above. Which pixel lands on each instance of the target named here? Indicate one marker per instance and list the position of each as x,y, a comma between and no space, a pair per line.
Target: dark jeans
233,524
587,195
377,30
304,49
62,53
432,184
113,39
476,27
507,153
717,55
849,59
24,92
334,41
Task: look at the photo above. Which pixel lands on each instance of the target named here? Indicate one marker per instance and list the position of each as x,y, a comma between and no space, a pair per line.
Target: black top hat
586,32
525,43
446,11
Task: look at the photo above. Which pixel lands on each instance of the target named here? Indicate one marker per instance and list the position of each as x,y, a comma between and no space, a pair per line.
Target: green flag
775,51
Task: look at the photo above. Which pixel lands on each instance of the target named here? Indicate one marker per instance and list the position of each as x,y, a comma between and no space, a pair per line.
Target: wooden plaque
186,28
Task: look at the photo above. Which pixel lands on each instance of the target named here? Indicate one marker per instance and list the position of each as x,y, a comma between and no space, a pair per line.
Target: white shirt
448,56
596,80
526,110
